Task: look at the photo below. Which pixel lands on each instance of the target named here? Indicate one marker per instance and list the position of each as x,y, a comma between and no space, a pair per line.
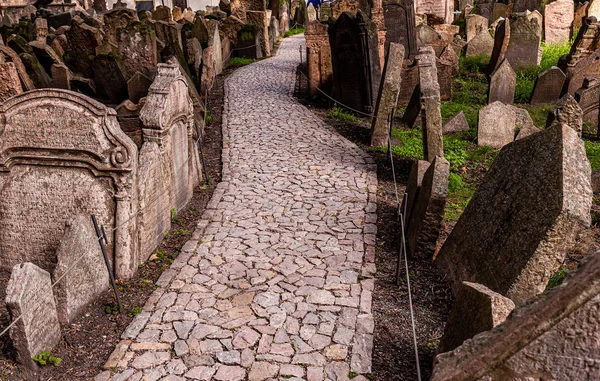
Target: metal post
101,239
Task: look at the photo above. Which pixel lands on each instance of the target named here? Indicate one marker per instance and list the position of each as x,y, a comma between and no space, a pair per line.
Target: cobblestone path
276,282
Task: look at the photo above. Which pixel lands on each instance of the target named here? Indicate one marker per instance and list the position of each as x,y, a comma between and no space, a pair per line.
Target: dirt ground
87,343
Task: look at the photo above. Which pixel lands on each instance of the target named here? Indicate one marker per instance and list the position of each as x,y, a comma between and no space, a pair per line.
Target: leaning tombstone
502,84
496,125
388,94
413,186
431,117
475,24
522,233
426,218
81,268
476,309
548,86
29,298
588,98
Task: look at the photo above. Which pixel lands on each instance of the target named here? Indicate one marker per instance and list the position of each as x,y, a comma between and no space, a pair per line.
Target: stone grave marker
88,278
40,29
593,9
496,125
413,186
524,44
580,14
10,85
566,112
388,94
558,20
29,296
318,58
480,45
548,86
587,67
475,25
499,11
522,233
588,98
458,123
476,309
441,8
502,84
431,117
501,39
427,213
526,5
61,77
311,13
399,19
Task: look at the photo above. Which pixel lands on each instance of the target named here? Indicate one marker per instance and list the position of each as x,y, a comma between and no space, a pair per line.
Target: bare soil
88,342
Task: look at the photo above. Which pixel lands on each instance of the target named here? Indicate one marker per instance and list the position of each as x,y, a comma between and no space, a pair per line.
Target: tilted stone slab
388,94
480,45
413,186
516,230
29,296
431,117
557,333
548,86
502,84
476,309
428,211
496,125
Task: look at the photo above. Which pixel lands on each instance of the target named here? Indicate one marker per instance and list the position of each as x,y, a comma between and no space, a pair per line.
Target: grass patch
342,115
294,31
592,150
240,61
411,143
455,151
557,278
459,195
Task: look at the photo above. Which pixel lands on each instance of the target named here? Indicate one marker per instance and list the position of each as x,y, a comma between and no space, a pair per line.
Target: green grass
593,153
459,195
411,143
294,31
240,61
557,278
342,115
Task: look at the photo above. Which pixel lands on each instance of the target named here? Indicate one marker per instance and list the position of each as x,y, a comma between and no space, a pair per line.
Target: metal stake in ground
200,149
101,237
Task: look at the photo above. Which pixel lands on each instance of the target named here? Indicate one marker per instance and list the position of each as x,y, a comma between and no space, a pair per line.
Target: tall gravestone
558,20
443,9
431,117
64,152
318,58
522,234
355,58
501,39
388,94
399,16
524,44
29,296
502,84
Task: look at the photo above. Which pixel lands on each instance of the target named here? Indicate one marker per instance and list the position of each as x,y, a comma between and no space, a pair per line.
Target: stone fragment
388,95
61,76
554,332
426,218
29,297
588,98
496,125
262,370
548,86
558,20
566,112
476,309
522,234
83,283
458,123
431,117
10,85
502,84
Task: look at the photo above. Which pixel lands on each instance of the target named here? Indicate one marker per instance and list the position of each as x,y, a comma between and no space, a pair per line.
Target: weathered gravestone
593,9
587,67
388,95
427,36
498,11
61,77
548,86
557,332
29,296
311,14
427,213
40,29
88,278
83,41
567,112
399,16
524,45
261,19
431,117
527,213
64,152
109,76
502,84
10,85
440,8
501,39
136,48
580,14
476,309
558,20
480,45
496,125
447,31
458,123
588,98
413,187
475,25
526,5
355,58
318,58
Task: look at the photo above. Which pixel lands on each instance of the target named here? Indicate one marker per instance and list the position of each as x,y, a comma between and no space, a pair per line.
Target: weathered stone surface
458,123
10,85
427,36
498,11
558,20
431,117
83,41
566,112
86,280
440,8
588,98
524,45
476,309
399,21
480,45
61,77
523,234
29,296
554,333
413,186
501,40
502,84
388,95
548,86
475,24
426,217
318,58
496,125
